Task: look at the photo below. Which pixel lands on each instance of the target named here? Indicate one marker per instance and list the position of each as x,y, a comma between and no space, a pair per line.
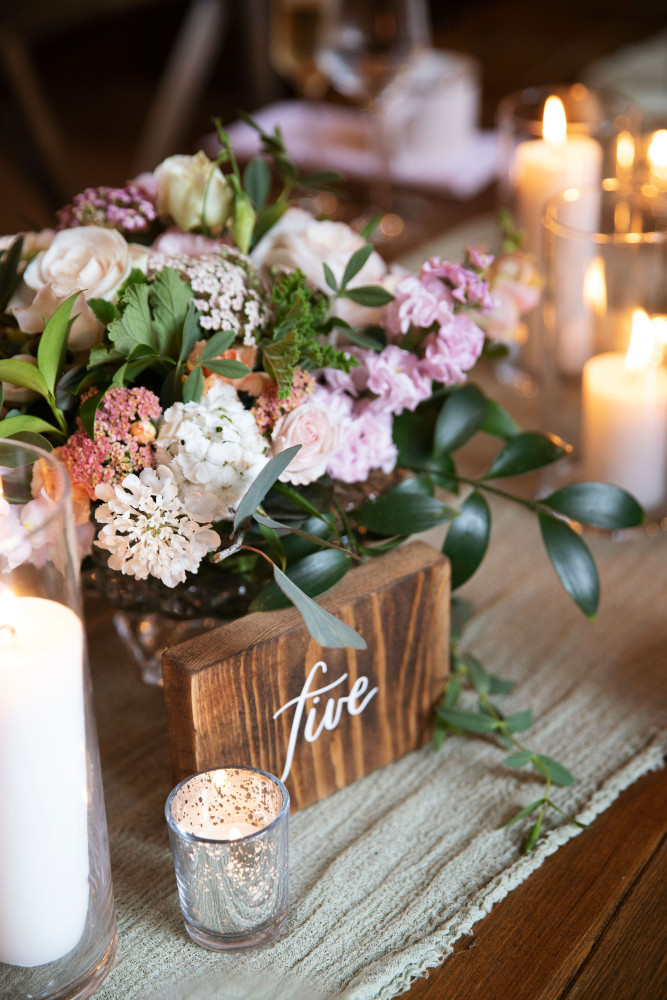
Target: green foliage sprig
488,721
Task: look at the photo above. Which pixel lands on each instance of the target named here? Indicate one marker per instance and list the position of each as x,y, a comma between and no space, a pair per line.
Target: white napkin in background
329,137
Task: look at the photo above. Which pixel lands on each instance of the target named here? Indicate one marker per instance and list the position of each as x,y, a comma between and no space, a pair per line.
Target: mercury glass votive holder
228,829
605,334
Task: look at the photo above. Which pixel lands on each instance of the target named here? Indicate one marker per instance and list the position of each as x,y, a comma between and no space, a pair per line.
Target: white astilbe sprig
149,531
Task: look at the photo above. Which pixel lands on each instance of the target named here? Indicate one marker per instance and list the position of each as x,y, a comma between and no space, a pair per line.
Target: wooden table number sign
261,691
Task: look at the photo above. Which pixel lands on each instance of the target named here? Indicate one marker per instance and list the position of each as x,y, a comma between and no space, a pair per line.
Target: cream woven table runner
387,874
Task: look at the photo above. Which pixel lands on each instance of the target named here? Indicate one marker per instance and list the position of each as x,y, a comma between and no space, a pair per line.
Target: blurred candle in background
542,167
624,399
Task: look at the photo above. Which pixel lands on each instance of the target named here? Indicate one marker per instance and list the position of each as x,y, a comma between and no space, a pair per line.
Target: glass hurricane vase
57,922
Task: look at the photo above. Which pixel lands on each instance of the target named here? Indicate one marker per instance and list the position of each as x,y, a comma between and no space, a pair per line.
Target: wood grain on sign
261,691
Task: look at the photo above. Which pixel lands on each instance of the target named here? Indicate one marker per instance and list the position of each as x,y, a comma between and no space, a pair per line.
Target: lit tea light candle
543,167
624,399
43,781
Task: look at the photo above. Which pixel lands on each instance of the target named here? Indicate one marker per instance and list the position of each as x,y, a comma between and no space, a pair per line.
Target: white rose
318,433
315,243
89,259
193,192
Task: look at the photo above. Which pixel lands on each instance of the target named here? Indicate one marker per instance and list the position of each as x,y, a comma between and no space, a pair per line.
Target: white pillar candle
624,424
543,167
43,782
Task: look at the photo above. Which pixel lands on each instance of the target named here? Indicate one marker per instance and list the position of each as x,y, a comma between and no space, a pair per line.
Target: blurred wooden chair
199,41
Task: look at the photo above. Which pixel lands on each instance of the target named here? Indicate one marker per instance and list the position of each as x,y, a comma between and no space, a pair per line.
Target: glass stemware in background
362,46
292,38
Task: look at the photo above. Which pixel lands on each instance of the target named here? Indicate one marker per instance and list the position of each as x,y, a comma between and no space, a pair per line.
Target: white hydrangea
148,530
213,448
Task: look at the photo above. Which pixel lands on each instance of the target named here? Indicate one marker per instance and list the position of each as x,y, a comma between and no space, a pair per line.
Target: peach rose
315,429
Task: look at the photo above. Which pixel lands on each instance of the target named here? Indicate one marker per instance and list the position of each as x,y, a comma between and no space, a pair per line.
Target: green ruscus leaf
401,513
525,453
599,504
573,563
462,414
468,538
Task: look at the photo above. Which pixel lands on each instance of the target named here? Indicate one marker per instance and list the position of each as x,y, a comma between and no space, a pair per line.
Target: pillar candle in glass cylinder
542,167
43,820
624,399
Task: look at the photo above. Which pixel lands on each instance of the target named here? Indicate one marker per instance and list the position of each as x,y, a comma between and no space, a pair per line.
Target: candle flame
595,286
625,151
554,124
641,342
659,324
657,154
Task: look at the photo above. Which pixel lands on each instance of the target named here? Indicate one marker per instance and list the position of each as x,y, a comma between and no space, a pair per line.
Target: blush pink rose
316,430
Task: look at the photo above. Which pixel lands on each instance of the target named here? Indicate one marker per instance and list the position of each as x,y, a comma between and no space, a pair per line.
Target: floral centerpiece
236,387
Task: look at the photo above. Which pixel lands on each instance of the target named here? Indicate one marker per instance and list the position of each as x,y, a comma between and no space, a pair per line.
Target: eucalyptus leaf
519,759
573,563
24,374
461,415
53,343
471,722
468,538
599,504
369,295
452,693
400,513
258,489
519,722
314,574
533,836
526,811
557,772
355,263
314,539
525,453
325,629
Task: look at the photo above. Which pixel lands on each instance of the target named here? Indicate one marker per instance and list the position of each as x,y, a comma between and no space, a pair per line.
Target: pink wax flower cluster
126,209
268,409
125,431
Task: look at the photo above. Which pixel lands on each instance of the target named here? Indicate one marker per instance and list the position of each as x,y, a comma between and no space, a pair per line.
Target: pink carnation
366,444
419,301
466,286
395,378
452,351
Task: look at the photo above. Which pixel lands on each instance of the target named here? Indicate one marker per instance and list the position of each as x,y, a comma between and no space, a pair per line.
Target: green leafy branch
489,721
43,378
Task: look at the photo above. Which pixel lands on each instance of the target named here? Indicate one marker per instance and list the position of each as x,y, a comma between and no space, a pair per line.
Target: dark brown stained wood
578,917
224,688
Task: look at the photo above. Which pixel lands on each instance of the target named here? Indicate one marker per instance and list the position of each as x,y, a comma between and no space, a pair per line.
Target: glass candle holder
552,138
228,829
605,333
57,923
